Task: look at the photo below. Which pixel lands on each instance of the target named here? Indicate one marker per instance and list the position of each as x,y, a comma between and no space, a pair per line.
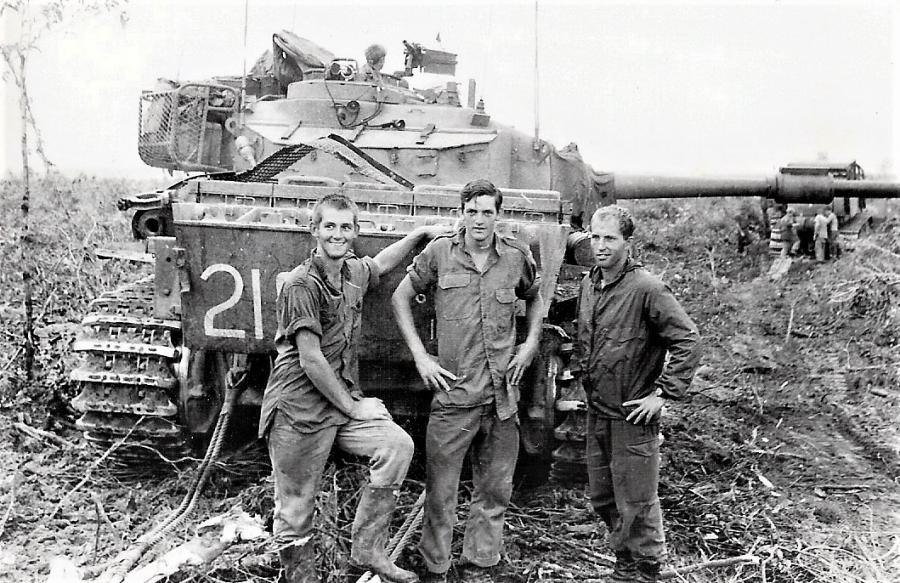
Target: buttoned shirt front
308,301
476,315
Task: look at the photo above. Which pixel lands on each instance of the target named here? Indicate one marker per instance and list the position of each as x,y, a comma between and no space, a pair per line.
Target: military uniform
625,329
300,424
475,311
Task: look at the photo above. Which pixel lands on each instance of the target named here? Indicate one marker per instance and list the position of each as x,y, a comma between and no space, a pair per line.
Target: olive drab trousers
623,476
298,461
494,444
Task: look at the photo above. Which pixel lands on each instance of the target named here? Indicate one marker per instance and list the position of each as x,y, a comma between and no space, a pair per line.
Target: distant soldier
789,240
833,250
743,231
371,71
820,234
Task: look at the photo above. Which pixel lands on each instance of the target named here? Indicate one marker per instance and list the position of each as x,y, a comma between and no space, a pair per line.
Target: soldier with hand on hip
476,276
627,321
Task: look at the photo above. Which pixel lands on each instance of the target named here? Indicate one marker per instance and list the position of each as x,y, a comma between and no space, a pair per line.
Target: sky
680,88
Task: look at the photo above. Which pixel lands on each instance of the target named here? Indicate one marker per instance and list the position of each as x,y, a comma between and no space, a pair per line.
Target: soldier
371,71
627,321
820,234
790,243
313,400
476,276
833,250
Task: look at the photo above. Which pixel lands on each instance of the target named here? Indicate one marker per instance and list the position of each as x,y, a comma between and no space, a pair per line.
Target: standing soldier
743,231
627,321
834,245
476,276
790,243
313,400
820,234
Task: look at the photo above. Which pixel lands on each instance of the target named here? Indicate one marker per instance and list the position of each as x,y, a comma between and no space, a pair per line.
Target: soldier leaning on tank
820,234
476,275
627,321
833,250
312,400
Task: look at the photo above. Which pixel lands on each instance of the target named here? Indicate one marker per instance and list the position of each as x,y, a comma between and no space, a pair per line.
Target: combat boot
625,568
299,563
647,571
431,577
370,531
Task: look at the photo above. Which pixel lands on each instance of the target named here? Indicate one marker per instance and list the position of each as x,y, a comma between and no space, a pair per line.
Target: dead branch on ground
45,435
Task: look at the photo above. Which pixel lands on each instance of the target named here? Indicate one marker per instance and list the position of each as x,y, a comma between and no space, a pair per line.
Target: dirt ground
787,448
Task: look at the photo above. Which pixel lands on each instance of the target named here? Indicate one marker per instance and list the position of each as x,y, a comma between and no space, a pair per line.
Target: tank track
569,465
127,377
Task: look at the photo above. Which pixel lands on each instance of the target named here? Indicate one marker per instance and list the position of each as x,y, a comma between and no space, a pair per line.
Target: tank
158,356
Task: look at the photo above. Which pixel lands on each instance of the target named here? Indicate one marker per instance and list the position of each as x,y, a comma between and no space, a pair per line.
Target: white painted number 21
209,327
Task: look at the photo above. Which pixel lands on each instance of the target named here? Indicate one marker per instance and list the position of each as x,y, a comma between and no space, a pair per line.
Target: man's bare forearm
534,316
321,374
400,301
389,257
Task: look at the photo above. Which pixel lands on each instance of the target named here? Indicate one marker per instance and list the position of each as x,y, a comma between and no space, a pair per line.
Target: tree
26,23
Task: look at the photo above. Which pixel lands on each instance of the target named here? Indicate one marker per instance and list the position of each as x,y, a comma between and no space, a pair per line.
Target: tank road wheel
552,420
127,378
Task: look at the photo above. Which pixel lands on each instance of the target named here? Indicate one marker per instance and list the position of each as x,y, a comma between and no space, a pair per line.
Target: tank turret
156,356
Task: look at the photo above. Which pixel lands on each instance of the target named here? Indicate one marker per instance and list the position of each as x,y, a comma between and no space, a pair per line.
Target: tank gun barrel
784,188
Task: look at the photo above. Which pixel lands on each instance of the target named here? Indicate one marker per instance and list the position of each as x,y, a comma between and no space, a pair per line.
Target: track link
126,377
569,462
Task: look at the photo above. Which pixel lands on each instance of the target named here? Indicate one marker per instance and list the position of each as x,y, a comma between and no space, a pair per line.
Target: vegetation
786,449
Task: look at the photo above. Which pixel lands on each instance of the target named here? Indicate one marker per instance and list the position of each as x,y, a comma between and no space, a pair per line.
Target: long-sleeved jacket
625,328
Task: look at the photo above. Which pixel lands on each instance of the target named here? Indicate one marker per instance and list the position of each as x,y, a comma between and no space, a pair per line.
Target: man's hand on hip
646,409
433,374
369,409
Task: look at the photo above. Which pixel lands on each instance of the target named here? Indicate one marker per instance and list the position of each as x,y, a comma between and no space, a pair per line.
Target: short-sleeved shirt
787,228
832,226
476,315
820,227
308,301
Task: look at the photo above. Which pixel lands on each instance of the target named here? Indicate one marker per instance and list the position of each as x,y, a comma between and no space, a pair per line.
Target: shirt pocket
506,295
506,302
456,300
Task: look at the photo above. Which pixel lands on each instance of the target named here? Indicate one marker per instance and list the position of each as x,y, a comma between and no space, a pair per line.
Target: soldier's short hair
480,187
336,201
375,52
621,215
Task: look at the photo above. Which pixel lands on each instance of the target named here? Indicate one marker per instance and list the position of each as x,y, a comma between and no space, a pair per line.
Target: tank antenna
537,110
244,75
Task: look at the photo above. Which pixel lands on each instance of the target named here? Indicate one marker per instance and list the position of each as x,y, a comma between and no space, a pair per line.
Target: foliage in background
72,217
24,25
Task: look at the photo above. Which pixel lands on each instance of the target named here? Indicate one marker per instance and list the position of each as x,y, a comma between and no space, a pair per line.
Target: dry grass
739,426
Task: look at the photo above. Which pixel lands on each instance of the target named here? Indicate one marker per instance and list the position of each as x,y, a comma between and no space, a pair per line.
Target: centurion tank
162,357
